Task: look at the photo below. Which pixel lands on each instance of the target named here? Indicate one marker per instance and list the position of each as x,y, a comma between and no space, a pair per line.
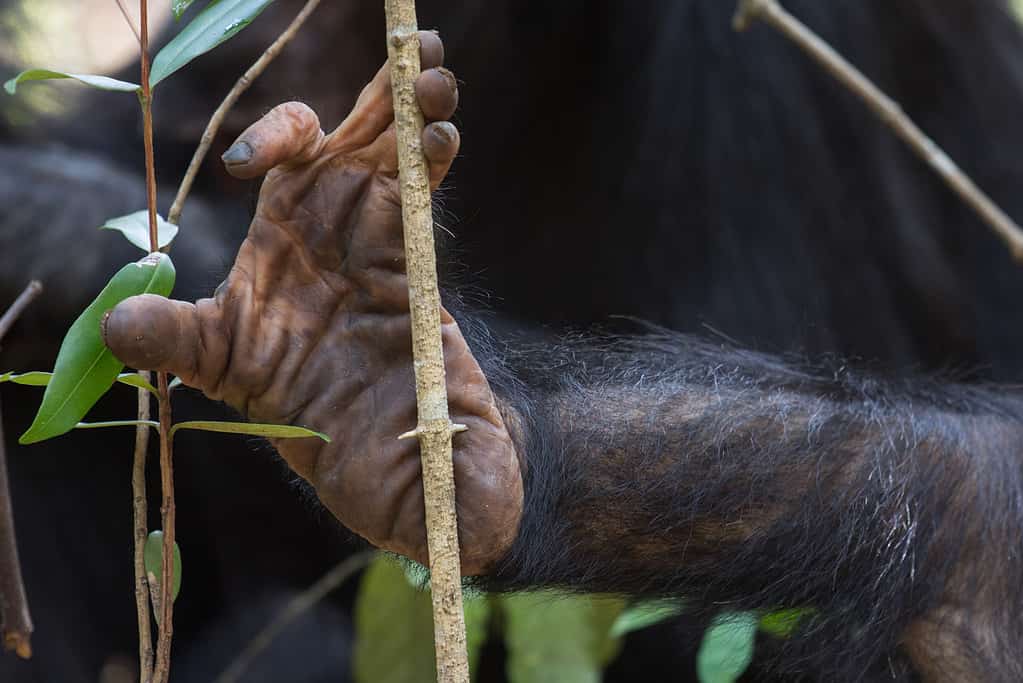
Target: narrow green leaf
727,648
153,554
556,638
101,82
782,623
42,379
85,368
135,227
32,379
220,21
117,423
394,628
180,7
644,614
251,429
133,379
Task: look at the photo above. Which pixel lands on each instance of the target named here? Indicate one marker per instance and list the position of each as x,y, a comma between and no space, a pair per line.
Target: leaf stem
161,669
146,98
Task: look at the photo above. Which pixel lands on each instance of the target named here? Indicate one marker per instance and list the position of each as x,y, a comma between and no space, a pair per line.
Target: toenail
449,77
238,153
444,131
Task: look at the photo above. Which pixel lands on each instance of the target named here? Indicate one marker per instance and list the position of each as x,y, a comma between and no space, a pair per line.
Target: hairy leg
651,466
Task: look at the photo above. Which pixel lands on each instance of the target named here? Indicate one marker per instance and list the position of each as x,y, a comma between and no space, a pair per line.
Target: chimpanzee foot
312,328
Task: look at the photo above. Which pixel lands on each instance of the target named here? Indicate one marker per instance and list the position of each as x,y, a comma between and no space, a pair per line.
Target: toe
289,134
440,145
437,92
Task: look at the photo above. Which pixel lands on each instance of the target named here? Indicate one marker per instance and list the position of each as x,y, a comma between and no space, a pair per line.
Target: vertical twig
140,514
165,622
774,15
434,428
15,619
240,86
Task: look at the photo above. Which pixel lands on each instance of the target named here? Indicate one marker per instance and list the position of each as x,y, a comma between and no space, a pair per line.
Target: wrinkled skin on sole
312,328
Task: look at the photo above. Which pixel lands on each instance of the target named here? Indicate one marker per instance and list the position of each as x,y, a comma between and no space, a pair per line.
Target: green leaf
153,553
31,379
556,638
643,615
250,428
135,227
180,6
85,368
782,623
394,628
220,21
133,379
727,648
101,82
42,379
117,423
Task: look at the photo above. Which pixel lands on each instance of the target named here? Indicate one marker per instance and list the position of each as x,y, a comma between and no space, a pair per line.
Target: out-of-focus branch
301,604
15,619
774,15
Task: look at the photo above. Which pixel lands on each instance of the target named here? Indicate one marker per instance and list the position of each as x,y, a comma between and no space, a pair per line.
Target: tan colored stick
774,15
435,428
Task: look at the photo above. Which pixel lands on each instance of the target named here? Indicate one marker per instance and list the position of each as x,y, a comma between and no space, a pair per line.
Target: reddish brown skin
311,326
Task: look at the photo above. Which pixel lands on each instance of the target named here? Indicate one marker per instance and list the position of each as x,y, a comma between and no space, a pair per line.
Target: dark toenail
444,131
449,77
238,153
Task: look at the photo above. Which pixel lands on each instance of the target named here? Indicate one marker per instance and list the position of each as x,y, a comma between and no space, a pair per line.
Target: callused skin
312,328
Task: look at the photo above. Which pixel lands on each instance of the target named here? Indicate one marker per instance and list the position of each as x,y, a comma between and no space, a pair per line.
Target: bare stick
140,514
240,86
15,619
434,428
773,14
8,319
301,604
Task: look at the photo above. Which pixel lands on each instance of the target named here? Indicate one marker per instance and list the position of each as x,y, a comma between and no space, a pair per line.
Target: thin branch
161,671
140,513
161,668
240,86
301,604
434,427
15,619
773,14
146,97
7,320
129,21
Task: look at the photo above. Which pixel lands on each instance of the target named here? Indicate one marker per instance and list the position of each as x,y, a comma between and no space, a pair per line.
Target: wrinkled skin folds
311,326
